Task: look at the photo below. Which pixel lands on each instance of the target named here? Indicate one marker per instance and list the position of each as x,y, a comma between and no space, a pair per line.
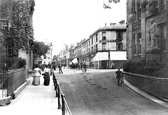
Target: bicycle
120,81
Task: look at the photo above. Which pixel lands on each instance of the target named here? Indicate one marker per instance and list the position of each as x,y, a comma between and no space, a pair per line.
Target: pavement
41,99
34,100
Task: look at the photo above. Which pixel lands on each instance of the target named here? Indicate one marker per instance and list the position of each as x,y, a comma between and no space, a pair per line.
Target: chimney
112,24
122,22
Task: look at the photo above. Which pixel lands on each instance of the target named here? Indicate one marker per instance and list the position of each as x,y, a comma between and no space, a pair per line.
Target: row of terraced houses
105,48
113,44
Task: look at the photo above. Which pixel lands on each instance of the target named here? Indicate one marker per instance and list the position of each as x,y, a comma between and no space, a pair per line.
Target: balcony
106,41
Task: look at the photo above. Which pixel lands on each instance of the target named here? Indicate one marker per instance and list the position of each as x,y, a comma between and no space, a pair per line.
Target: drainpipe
145,29
109,60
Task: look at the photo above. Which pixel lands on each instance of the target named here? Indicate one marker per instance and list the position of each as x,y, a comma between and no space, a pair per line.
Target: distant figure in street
60,69
47,72
119,76
36,76
83,67
54,66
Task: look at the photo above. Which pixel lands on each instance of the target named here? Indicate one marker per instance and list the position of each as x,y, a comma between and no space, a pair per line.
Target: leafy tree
40,48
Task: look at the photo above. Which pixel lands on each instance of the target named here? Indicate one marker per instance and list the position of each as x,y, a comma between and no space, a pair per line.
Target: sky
69,21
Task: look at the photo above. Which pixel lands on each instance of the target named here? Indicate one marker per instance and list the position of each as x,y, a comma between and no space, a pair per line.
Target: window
139,9
163,4
133,5
92,40
134,10
9,48
103,35
119,41
96,37
134,44
139,43
162,36
103,46
96,47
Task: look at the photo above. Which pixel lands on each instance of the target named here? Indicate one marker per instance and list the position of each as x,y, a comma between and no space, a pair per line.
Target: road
97,93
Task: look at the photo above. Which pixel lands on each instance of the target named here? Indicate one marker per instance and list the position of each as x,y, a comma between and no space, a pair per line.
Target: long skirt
36,80
46,78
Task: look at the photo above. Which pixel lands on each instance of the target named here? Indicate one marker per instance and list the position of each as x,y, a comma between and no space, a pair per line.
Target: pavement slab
34,100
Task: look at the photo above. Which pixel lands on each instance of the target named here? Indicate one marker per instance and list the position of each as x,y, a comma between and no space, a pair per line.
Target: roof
109,28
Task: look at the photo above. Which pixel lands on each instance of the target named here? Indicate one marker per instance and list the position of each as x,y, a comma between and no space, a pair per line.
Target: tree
40,48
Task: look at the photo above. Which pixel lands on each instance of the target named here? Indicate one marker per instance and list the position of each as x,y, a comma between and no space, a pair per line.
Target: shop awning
100,56
118,55
75,60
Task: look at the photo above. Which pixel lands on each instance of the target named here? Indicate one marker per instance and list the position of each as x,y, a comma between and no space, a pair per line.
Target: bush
21,63
15,63
141,67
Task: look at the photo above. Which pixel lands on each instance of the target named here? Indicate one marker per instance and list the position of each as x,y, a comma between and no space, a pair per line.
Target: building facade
147,31
105,48
109,46
12,23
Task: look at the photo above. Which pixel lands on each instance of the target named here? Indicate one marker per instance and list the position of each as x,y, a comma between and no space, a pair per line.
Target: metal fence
62,103
3,85
10,81
15,80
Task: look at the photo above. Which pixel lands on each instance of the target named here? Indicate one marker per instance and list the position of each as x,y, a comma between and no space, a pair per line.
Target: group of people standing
37,73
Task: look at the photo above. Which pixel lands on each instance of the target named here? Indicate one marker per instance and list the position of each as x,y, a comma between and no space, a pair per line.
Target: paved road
98,94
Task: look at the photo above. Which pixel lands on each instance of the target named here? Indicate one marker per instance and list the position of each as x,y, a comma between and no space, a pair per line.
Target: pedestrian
60,69
119,76
83,67
47,72
36,76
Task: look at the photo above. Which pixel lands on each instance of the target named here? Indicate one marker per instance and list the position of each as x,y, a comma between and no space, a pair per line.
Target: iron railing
62,103
10,81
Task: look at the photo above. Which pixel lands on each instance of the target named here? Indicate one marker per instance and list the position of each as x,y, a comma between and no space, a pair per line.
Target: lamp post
51,48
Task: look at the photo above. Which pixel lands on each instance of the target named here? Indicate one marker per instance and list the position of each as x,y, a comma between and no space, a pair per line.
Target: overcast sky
68,21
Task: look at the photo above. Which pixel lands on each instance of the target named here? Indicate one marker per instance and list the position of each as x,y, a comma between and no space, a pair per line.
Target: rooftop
113,26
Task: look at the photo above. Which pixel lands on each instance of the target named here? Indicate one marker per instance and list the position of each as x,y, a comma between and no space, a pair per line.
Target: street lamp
51,48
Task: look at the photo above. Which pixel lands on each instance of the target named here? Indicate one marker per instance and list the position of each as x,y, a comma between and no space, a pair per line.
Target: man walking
119,76
60,69
83,67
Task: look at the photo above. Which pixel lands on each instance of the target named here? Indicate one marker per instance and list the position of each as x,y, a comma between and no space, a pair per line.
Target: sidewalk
34,100
77,71
152,98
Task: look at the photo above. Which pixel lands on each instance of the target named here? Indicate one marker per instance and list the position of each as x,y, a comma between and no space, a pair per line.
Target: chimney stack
112,24
122,22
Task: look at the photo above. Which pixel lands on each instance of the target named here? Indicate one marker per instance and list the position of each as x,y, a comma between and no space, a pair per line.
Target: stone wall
152,85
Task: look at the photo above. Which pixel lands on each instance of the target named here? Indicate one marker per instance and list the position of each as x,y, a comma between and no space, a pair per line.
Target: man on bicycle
119,76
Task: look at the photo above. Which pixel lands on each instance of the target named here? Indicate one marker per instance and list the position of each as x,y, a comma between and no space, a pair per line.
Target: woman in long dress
46,76
36,76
